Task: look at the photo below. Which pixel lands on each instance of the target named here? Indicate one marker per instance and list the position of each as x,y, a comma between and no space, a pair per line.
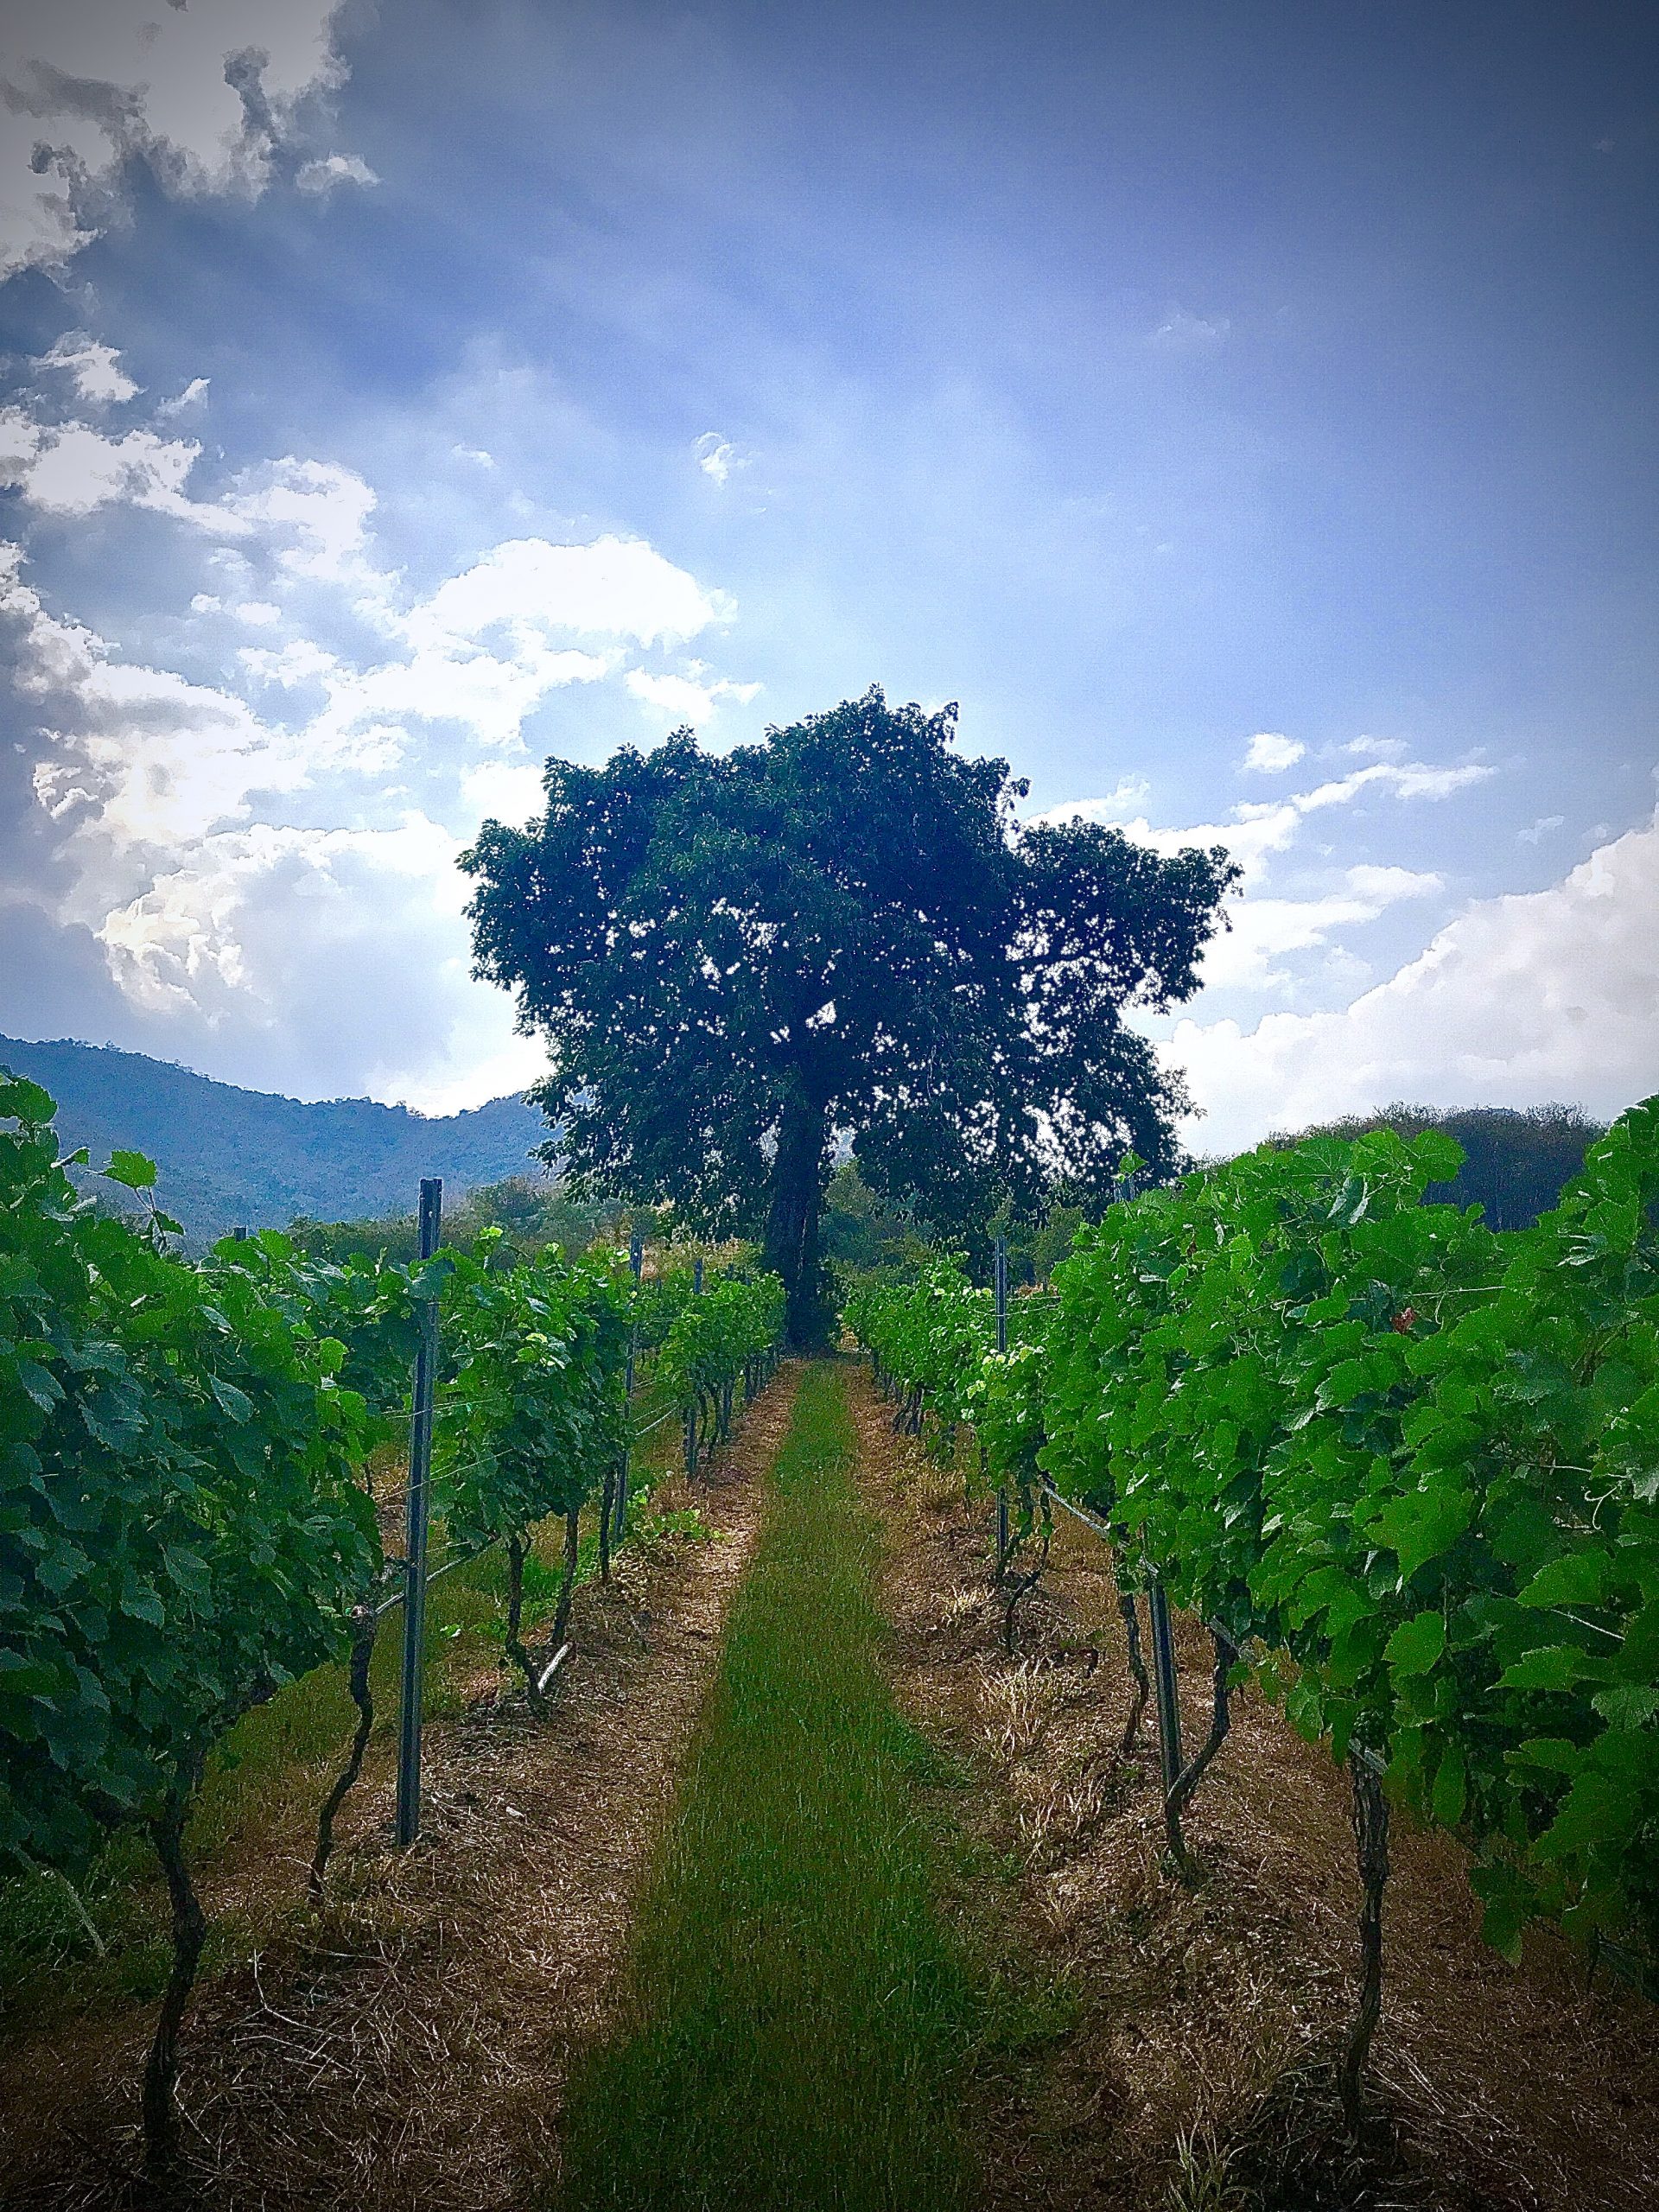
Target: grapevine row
186,1515
1407,1468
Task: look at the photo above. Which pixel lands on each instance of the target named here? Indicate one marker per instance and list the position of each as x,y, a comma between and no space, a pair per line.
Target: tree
841,931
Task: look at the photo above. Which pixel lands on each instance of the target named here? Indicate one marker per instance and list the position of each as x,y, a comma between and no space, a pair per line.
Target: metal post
1163,1684
420,1468
1000,1287
240,1235
692,1415
636,1261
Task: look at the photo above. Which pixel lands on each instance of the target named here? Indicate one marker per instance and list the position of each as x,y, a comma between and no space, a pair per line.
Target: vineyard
1399,1471
1404,1468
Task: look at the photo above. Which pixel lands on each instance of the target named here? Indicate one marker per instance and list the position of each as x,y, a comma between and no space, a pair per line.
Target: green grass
800,2022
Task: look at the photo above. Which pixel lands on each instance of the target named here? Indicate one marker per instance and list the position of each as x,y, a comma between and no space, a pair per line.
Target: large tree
739,961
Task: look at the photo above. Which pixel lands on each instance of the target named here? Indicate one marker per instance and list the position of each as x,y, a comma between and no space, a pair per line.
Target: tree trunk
189,1933
1180,1796
1136,1658
1371,1850
792,1242
366,1623
517,1549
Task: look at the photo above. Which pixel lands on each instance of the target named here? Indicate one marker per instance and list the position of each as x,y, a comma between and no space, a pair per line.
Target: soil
409,2045
1198,2073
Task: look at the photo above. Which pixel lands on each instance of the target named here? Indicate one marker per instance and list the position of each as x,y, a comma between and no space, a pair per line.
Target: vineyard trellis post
636,1263
692,1410
999,1291
420,1468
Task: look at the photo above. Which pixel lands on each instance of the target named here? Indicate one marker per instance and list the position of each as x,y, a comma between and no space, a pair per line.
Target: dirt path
410,2047
1203,2016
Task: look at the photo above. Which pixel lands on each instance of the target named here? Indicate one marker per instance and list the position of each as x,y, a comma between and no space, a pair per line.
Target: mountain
229,1157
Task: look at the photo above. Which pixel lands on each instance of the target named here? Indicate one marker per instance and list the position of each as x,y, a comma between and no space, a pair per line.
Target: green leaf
1547,1666
1576,1577
237,1403
1422,1524
1416,1644
1451,1787
1626,1704
132,1169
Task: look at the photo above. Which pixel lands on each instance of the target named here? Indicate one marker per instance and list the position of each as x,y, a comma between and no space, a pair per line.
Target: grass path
798,2017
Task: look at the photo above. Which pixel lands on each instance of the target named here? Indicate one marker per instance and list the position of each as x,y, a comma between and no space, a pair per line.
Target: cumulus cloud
1270,754
304,952
1269,930
327,176
687,698
319,510
94,369
617,587
74,469
1265,930
208,98
507,791
1519,1000
179,818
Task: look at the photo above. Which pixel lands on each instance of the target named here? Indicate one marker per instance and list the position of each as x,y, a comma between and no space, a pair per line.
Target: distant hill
229,1157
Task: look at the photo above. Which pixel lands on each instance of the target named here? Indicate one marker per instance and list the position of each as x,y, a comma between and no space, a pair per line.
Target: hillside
229,1157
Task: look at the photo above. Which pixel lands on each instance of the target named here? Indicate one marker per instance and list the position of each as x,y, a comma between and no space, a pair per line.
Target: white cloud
1258,829
686,698
75,469
203,96
193,395
717,457
509,791
616,587
1541,829
325,176
171,803
301,661
475,453
306,950
1116,807
1183,332
321,508
143,761
1270,754
94,369
1265,930
1377,748
1519,1000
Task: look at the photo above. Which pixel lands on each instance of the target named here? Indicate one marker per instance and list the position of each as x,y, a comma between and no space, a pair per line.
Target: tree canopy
738,960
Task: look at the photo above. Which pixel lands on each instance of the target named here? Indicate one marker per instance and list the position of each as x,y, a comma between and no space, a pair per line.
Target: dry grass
409,2045
1197,2077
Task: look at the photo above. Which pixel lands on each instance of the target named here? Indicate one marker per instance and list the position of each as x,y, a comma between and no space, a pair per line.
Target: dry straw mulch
408,2046
1198,2074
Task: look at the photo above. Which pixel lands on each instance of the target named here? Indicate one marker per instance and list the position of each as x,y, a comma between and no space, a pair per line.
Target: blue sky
1247,414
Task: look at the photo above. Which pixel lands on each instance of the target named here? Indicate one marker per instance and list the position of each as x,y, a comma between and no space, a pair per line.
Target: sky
1246,413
